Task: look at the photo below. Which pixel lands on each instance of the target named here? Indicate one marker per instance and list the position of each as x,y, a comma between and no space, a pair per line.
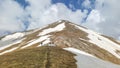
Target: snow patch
104,43
13,36
101,41
57,28
77,51
45,42
8,50
42,38
60,21
6,46
85,60
82,39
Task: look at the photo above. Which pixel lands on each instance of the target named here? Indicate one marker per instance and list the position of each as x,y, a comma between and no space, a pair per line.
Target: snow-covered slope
85,60
98,49
102,42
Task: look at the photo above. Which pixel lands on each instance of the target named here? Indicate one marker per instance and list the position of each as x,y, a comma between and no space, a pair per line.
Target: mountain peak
63,21
64,34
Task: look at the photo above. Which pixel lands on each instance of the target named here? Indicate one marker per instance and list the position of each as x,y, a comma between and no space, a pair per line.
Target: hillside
68,45
42,57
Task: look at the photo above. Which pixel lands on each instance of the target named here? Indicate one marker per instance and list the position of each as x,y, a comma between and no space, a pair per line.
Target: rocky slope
89,49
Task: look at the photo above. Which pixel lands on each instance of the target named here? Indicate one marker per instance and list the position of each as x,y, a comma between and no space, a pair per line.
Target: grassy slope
42,57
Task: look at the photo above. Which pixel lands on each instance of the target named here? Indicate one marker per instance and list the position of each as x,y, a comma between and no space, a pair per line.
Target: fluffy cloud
87,4
10,13
111,13
45,13
39,13
105,18
93,19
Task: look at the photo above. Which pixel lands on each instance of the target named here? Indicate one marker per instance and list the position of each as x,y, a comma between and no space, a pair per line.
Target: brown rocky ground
41,57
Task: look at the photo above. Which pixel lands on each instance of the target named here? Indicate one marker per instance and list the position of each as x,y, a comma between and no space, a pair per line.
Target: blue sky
23,3
21,15
77,4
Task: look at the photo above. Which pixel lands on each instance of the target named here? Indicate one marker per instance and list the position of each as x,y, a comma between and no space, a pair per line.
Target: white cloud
111,12
93,19
45,13
107,18
71,6
10,11
86,4
40,12
104,18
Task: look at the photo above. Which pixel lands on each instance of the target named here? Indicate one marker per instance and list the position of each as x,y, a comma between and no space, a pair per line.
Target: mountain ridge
64,34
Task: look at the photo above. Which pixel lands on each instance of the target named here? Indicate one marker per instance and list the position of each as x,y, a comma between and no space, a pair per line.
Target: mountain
61,44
